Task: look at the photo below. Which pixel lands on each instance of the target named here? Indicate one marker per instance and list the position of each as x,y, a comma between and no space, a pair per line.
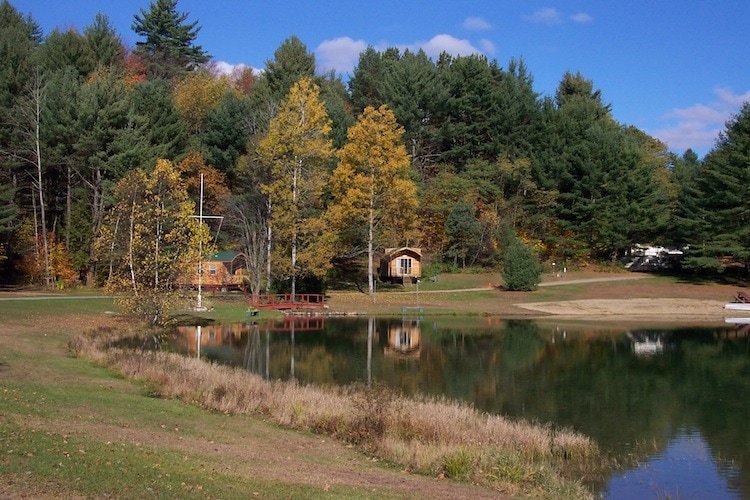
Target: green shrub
521,268
459,465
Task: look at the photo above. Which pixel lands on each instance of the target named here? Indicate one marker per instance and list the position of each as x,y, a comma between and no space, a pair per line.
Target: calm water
675,400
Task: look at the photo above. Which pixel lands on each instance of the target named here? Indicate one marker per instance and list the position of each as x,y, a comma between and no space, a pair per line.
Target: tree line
315,176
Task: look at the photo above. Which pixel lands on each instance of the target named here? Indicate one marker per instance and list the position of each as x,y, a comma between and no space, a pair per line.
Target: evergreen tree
291,62
521,269
103,42
467,134
156,123
225,133
722,195
66,49
106,148
334,95
414,91
8,217
463,231
19,37
366,83
169,48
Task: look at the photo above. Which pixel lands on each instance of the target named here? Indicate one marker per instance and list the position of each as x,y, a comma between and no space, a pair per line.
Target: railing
288,301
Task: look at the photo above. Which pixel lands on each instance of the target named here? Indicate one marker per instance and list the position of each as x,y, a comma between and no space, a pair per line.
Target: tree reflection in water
631,390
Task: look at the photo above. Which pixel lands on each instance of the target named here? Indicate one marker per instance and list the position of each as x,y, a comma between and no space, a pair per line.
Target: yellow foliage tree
196,94
150,238
374,197
298,149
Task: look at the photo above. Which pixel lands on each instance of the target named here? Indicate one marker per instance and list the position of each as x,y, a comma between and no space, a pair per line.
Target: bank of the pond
579,296
431,437
70,427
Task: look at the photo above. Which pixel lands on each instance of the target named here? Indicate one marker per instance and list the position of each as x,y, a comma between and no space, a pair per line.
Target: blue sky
676,69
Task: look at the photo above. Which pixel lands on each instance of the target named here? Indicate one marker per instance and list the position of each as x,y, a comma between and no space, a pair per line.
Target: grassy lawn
69,427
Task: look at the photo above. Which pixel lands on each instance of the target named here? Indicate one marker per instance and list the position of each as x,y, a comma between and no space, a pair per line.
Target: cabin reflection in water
403,339
195,339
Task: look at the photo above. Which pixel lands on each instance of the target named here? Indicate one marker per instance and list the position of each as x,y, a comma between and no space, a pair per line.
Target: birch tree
150,238
374,197
298,148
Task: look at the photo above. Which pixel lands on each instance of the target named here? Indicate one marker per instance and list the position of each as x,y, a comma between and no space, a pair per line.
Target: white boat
737,306
737,321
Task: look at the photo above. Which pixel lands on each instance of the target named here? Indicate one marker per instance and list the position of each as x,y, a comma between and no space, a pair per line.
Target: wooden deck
285,301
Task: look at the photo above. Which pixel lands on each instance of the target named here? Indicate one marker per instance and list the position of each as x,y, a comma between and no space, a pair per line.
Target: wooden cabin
402,265
221,271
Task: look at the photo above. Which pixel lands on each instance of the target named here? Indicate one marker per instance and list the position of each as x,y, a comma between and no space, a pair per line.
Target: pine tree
521,269
721,215
8,217
104,43
463,231
225,132
169,48
291,63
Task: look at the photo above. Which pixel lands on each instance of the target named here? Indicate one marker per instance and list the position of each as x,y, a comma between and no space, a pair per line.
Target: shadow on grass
186,319
730,277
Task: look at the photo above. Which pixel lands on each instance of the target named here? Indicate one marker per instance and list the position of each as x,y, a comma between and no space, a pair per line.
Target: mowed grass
37,461
38,307
70,427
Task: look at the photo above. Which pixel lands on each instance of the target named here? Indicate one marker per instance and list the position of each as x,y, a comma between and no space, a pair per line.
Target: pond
676,401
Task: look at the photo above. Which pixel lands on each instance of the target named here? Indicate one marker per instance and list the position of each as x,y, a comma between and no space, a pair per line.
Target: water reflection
637,392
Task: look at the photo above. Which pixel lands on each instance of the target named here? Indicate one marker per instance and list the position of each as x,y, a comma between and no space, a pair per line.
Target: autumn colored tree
149,239
298,149
215,190
32,263
196,94
374,198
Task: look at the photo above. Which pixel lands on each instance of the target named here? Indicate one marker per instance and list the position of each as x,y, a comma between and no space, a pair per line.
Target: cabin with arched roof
401,265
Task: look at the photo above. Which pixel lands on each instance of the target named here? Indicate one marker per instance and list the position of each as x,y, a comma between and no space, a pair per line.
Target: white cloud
699,125
487,46
223,68
447,43
340,54
476,24
547,15
581,18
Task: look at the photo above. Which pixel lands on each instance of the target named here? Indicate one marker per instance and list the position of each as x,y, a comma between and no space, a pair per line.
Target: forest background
103,146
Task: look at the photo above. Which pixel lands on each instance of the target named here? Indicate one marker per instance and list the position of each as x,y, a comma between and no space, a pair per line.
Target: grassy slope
68,427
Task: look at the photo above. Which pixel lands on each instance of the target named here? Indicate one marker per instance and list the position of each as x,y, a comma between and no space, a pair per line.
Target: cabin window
212,269
404,266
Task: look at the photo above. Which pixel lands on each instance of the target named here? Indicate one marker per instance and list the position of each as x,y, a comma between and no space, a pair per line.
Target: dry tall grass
429,436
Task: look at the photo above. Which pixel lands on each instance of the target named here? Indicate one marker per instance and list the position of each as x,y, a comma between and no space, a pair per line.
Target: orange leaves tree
374,197
149,239
298,149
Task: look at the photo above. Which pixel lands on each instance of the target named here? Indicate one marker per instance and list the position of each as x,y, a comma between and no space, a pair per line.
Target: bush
521,267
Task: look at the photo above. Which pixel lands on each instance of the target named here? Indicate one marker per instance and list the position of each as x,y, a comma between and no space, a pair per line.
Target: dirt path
664,308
